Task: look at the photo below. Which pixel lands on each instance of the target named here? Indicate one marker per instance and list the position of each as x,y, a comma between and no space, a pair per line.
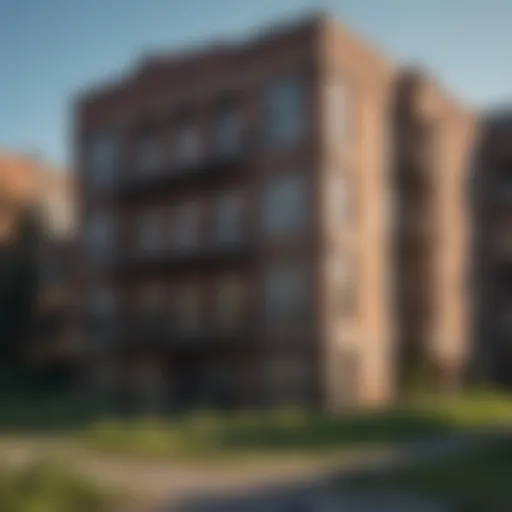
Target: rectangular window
185,226
150,154
228,303
99,236
285,205
286,296
150,310
285,107
228,218
102,159
100,313
188,309
228,131
150,230
187,144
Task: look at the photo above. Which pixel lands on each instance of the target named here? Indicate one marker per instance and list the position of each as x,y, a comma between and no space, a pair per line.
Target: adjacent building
492,201
434,146
273,221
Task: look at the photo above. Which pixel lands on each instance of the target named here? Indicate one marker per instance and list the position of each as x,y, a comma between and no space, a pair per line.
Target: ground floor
175,381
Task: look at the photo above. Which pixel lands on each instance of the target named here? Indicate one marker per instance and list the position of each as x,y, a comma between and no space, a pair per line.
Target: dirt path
298,485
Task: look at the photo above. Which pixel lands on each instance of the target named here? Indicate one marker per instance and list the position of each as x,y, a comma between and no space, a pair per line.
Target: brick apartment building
492,195
272,221
434,147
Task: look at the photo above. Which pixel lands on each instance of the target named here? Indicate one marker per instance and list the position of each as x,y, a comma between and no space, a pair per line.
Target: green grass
478,480
204,435
47,487
296,432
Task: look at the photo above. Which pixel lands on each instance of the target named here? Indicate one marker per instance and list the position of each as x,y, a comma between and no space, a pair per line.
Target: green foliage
46,487
18,286
297,432
204,434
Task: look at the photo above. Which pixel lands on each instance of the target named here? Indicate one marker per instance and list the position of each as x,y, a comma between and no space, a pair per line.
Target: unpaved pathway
292,485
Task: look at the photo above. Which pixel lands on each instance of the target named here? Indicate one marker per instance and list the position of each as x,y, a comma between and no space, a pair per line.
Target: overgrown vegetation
211,434
47,487
18,287
296,432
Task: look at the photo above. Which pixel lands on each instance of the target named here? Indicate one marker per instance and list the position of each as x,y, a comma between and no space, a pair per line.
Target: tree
18,288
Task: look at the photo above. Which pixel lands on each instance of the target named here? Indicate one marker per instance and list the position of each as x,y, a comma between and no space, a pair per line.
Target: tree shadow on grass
319,432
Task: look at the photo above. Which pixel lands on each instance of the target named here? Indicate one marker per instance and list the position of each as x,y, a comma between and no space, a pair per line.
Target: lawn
475,481
293,432
47,487
206,435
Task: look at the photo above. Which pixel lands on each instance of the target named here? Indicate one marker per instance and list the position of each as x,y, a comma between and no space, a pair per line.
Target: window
187,144
185,226
228,131
150,302
188,309
286,295
285,205
228,218
99,235
102,159
285,111
101,306
150,230
228,303
337,113
150,154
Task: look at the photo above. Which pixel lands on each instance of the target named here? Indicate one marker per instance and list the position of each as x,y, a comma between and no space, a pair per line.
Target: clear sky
49,49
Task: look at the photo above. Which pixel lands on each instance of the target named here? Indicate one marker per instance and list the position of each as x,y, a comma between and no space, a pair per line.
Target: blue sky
49,49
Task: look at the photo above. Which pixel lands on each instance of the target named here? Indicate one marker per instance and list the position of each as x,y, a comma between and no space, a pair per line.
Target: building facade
434,148
240,241
492,249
